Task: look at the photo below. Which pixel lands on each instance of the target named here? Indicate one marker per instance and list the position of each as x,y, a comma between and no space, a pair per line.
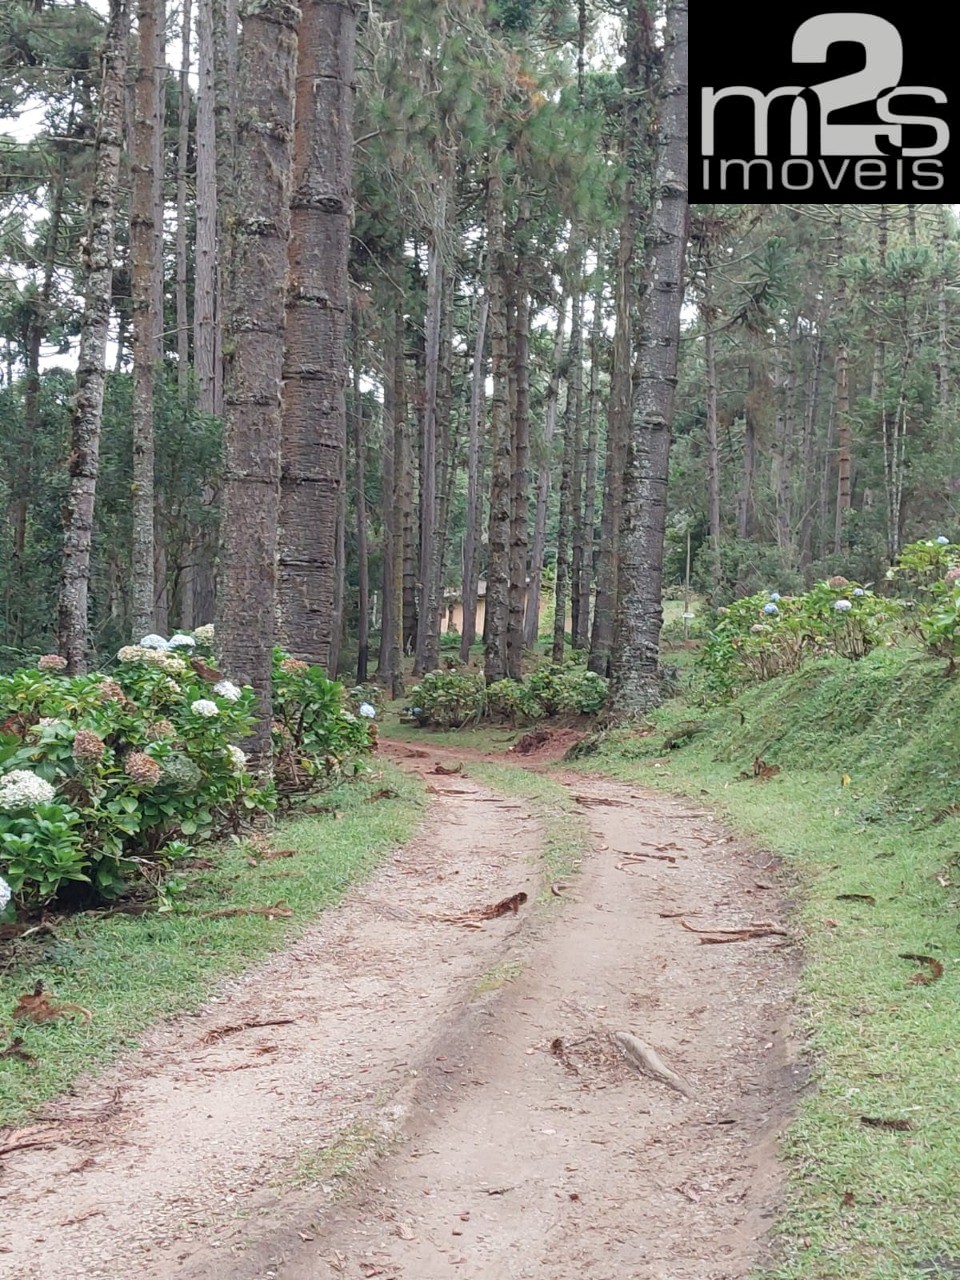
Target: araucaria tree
254,305
314,409
635,665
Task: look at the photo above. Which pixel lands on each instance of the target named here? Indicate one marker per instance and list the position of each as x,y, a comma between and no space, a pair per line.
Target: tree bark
581,638
532,618
360,502
841,367
571,436
519,502
144,271
314,412
708,318
254,313
471,548
87,414
183,156
205,248
498,536
636,686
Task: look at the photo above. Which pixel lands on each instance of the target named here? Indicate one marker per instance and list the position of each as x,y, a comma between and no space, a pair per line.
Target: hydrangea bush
107,774
768,634
452,699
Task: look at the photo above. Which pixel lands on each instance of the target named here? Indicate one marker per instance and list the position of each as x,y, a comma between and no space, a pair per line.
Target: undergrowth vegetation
113,777
455,699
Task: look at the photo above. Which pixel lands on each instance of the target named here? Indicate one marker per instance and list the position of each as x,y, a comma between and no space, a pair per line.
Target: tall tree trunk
314,412
841,366
575,397
571,438
225,51
471,548
943,338
532,619
340,572
144,268
520,433
389,659
745,496
581,637
403,508
22,479
809,445
498,536
183,156
254,313
205,247
635,661
428,647
708,318
87,414
360,501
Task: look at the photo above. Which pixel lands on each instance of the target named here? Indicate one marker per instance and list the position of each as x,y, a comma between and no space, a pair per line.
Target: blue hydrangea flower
859,591
770,608
842,606
942,541
774,595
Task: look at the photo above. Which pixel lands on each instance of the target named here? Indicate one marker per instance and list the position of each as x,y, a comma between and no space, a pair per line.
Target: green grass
867,1203
131,970
339,1162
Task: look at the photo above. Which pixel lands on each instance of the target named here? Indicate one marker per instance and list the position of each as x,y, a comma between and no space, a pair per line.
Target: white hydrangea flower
942,541
367,710
348,715
227,689
154,642
842,606
131,653
21,789
238,761
204,634
181,641
204,707
6,893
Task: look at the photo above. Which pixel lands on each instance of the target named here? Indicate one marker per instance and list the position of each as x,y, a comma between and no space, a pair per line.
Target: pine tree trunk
809,446
471,549
314,411
205,248
427,646
745,496
581,638
635,664
498,535
87,413
841,367
575,397
360,501
144,269
340,572
183,154
531,623
571,436
254,314
519,501
943,337
708,318
225,53
389,658
400,484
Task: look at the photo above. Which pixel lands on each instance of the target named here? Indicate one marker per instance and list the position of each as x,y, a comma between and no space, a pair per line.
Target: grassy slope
130,970
864,1202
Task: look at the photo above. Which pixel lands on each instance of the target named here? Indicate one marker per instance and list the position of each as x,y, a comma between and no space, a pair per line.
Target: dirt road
471,1068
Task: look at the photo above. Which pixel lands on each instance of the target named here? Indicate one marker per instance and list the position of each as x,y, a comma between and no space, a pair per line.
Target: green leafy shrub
106,776
100,775
566,689
767,635
512,701
314,732
922,566
940,626
449,699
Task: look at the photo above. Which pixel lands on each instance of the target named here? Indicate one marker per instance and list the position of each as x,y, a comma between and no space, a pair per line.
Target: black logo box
800,104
